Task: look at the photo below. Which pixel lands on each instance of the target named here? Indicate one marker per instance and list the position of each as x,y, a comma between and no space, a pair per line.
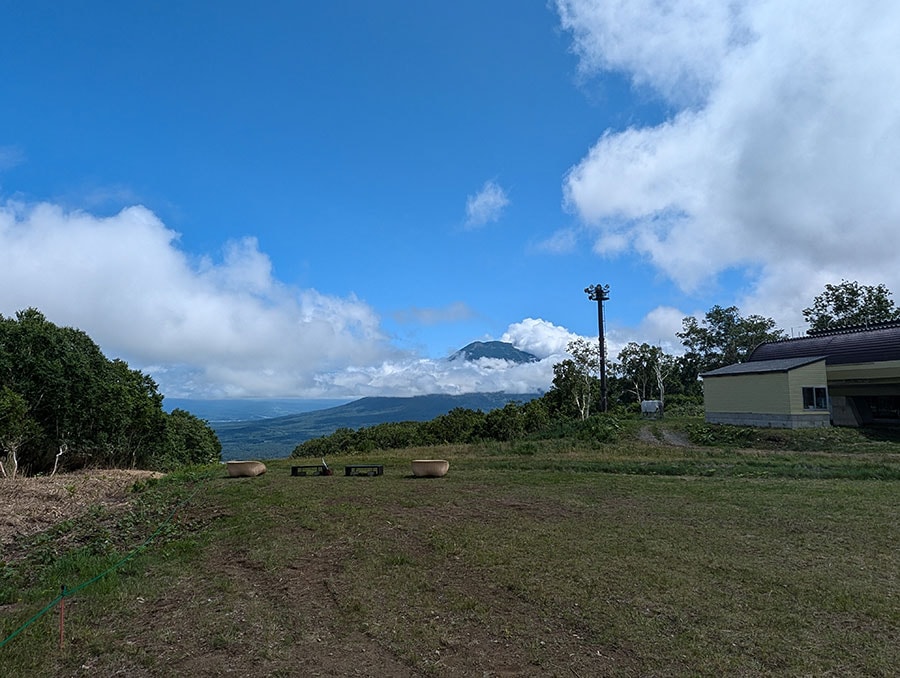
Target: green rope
31,621
67,593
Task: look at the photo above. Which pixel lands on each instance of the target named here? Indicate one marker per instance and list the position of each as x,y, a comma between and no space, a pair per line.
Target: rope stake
61,599
62,617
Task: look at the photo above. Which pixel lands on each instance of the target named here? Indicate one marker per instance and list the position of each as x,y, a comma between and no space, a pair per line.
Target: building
847,377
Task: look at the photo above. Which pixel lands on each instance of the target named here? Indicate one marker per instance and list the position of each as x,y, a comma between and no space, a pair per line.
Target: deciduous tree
190,440
575,383
16,428
850,303
723,337
95,410
645,369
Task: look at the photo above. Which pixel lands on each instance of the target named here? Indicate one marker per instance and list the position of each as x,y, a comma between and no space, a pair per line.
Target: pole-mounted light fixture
600,293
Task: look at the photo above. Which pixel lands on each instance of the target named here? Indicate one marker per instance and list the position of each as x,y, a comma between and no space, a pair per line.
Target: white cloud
539,337
782,158
673,47
486,206
214,328
416,377
563,241
549,342
10,156
419,376
658,328
226,327
451,313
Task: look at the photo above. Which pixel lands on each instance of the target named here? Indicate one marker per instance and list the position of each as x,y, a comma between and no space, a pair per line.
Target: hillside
277,437
249,409
542,558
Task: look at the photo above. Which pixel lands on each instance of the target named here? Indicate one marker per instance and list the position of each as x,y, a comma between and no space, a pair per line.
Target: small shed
652,408
783,393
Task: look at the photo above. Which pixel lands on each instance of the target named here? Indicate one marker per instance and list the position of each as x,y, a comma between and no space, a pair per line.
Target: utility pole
600,293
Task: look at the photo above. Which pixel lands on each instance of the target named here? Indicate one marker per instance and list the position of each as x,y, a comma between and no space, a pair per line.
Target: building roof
873,343
763,366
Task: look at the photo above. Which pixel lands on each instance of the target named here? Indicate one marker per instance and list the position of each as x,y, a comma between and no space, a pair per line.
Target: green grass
529,558
832,439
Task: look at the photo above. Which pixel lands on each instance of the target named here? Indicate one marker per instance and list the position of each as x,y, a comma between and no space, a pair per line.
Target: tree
52,370
645,369
16,428
575,384
536,415
662,370
456,426
850,303
393,435
504,423
723,338
687,370
64,397
190,440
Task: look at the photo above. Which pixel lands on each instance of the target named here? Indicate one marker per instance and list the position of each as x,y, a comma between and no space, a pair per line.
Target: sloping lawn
524,560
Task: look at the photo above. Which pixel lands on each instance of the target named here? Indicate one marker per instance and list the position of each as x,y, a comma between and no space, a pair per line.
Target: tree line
569,407
64,405
640,372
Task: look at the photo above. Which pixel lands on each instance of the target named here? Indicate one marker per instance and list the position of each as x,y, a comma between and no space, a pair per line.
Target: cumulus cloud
672,47
221,327
486,206
539,337
658,328
417,376
780,157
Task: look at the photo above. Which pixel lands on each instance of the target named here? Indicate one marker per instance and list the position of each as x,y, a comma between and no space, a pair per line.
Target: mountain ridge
277,436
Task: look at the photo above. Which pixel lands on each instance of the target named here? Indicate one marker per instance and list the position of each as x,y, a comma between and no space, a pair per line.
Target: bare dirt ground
31,505
667,437
246,619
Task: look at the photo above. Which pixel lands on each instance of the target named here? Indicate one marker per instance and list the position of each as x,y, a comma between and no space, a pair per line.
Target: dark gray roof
840,347
763,366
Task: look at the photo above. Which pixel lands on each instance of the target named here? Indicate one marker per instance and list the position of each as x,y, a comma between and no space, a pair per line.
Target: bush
680,405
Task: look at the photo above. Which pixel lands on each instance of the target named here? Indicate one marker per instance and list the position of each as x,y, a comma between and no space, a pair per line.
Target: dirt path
667,437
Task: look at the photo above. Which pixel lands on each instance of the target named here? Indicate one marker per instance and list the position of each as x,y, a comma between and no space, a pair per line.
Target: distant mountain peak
498,350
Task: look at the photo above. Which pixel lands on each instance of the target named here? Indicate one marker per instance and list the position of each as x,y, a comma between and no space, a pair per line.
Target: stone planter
245,469
430,468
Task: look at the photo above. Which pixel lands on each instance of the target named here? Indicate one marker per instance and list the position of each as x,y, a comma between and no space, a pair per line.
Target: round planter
430,468
245,469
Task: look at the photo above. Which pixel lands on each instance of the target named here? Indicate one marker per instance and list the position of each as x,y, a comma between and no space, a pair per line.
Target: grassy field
635,559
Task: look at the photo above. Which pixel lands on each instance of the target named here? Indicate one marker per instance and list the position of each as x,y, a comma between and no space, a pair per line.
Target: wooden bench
313,470
364,470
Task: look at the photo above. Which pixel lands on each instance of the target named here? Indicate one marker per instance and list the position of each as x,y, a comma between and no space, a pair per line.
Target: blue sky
327,199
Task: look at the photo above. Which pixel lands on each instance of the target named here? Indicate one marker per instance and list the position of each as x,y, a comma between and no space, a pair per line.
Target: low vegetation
644,555
541,419
64,405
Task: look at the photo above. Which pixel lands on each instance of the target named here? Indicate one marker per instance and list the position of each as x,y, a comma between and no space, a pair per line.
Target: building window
815,398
